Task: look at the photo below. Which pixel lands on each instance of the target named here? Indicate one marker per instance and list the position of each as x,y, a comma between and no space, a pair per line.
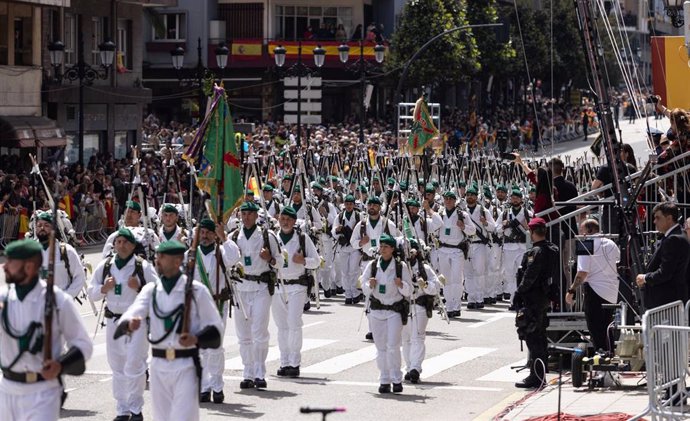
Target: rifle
50,293
188,289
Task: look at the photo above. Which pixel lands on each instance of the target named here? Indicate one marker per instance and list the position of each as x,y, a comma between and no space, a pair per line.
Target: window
291,22
96,39
70,38
170,27
124,53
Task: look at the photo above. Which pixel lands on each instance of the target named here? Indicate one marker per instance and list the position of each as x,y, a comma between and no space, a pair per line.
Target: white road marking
313,324
492,319
439,363
274,352
107,379
342,362
506,374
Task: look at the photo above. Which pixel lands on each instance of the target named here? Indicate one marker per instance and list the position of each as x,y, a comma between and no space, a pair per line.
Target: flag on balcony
423,129
214,152
246,50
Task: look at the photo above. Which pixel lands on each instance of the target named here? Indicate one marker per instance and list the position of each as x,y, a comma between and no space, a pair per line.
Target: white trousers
174,394
511,263
348,265
494,276
413,336
386,326
326,274
252,334
288,319
451,263
213,360
42,405
475,275
127,360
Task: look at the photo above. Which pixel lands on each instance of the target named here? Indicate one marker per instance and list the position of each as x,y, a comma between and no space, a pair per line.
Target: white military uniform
371,249
288,316
126,355
39,400
326,274
252,334
347,257
273,207
514,245
177,234
492,286
386,325
213,359
174,383
414,332
475,275
146,237
451,261
72,286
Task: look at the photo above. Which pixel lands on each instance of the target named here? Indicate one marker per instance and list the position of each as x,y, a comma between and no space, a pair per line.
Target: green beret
23,249
391,181
289,211
267,187
487,194
170,208
322,180
420,181
403,185
517,193
287,177
502,188
208,224
249,192
317,186
334,178
125,232
388,240
429,188
297,189
376,178
131,204
172,247
249,206
349,198
374,201
412,202
472,190
462,184
414,244
533,189
363,189
45,216
450,194
434,183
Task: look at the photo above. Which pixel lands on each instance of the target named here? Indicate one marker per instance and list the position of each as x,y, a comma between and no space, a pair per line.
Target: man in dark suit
565,190
665,280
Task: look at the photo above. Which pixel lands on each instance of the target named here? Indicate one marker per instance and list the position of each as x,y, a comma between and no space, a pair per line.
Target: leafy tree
451,58
495,57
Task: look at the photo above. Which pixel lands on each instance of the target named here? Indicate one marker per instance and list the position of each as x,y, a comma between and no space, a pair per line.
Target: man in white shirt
598,272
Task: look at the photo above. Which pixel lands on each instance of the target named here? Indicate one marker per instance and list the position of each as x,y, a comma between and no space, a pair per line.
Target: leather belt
171,354
110,315
513,242
366,257
28,377
452,246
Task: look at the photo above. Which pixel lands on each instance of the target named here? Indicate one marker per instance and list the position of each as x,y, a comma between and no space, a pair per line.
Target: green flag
423,129
220,169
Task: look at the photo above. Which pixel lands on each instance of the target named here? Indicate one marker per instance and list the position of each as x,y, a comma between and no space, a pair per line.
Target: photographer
597,271
532,298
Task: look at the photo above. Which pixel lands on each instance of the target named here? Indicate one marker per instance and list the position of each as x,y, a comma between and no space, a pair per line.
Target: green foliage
498,59
451,58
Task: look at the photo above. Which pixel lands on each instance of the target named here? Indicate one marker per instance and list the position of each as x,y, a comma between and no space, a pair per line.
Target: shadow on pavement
77,413
232,410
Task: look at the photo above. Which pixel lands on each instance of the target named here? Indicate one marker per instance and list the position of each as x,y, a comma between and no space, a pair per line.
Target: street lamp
82,72
200,73
363,68
674,10
299,70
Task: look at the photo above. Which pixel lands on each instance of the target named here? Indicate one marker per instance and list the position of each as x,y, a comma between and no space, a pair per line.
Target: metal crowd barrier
94,230
665,339
9,223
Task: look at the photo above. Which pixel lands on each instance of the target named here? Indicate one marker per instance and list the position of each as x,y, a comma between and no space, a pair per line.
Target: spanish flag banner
246,50
670,71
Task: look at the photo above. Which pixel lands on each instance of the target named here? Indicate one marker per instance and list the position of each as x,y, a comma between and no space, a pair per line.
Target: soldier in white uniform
513,224
212,272
365,236
425,288
147,239
271,202
299,255
453,235
328,213
118,279
170,230
69,272
475,275
260,255
347,257
29,387
387,283
492,286
307,215
424,223
175,365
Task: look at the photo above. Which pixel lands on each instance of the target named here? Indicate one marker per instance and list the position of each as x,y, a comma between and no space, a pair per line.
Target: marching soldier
387,284
452,251
212,272
272,203
175,366
147,239
348,257
328,213
69,271
475,276
259,257
170,230
492,285
299,254
424,223
425,288
30,387
117,280
513,224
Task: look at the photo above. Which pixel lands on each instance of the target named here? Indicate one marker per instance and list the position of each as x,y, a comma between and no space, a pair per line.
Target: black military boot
218,397
205,397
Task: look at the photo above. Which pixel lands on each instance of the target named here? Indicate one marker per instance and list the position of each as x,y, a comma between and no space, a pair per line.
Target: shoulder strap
106,267
302,241
398,268
385,226
139,269
375,267
524,209
235,235
63,256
